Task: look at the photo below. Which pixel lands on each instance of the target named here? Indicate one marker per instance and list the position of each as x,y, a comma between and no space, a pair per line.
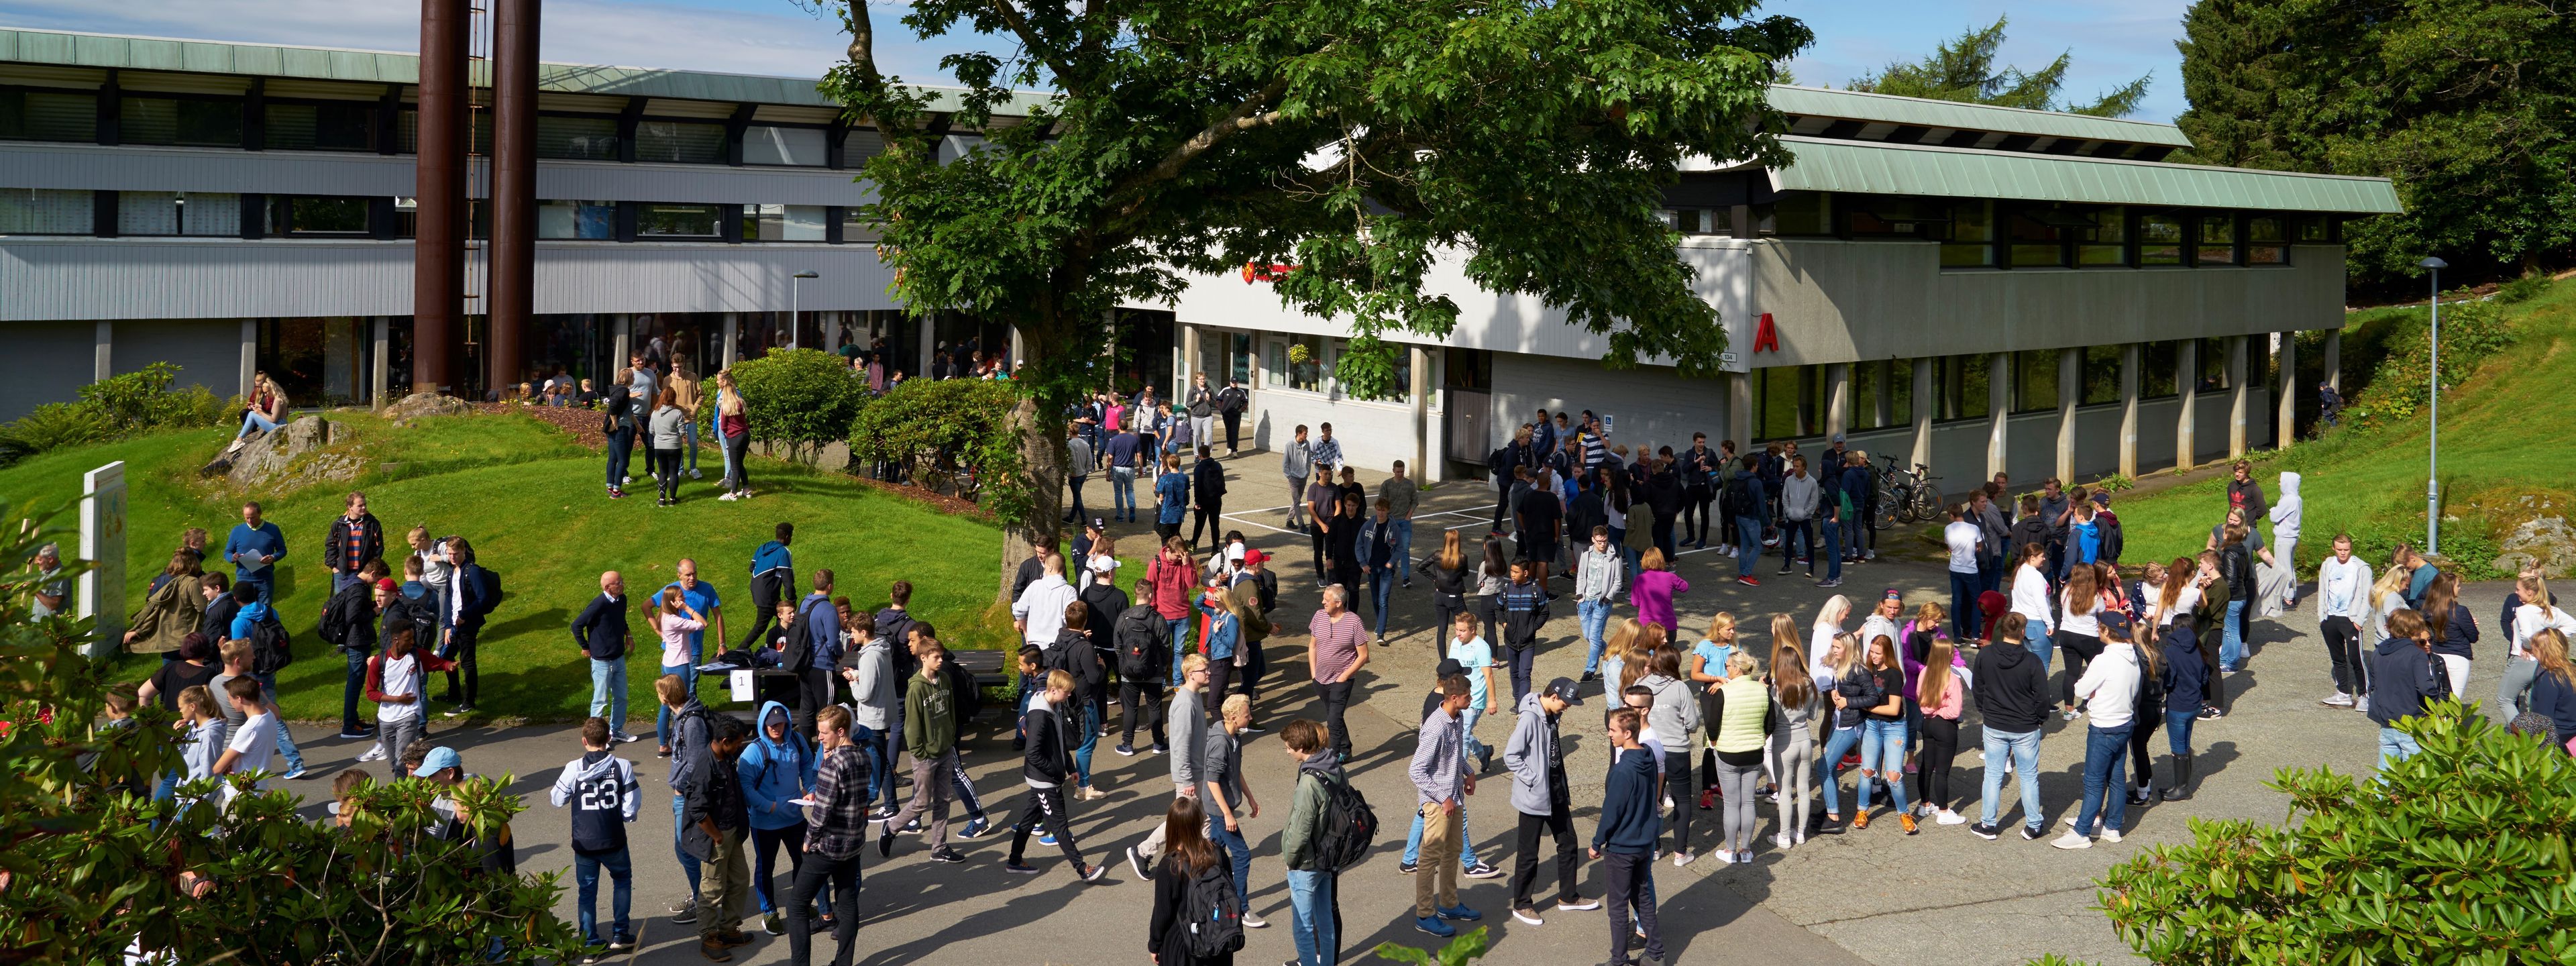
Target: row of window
1306,363
41,211
218,121
1985,233
1789,401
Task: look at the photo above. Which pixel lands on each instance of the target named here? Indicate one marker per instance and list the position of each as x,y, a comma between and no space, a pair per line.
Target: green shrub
2522,289
2397,389
53,426
803,398
968,420
2458,854
141,401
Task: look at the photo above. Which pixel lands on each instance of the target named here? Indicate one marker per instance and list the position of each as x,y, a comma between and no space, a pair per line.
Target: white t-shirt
1962,537
1820,642
398,676
256,742
2030,597
2088,623
2528,620
2183,603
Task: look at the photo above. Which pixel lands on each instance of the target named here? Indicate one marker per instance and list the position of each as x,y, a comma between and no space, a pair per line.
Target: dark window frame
281,211
95,96
375,123
242,103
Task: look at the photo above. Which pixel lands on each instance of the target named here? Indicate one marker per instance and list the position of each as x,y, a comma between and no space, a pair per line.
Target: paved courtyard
1874,896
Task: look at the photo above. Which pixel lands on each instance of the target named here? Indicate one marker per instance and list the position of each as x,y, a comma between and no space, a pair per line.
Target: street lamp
2433,424
795,302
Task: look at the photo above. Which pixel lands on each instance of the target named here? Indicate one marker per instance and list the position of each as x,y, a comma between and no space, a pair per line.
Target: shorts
1539,551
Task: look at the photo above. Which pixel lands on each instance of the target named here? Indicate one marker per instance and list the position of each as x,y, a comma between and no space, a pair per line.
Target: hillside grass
531,500
2504,437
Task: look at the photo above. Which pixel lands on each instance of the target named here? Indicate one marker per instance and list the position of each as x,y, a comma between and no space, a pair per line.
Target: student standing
394,681
1654,589
617,420
1967,543
2454,630
1228,795
712,822
2010,685
2109,689
2186,681
1540,794
604,796
1296,462
1793,750
2030,600
1625,839
1189,730
1441,785
1744,500
1475,659
664,430
2079,634
1336,649
930,736
1942,698
254,547
1799,500
869,669
1742,720
356,538
2533,613
2343,608
677,622
349,623
1172,493
1141,640
776,768
1379,553
733,435
1191,865
1674,717
833,829
1046,767
1597,573
2402,683
1314,910
253,747
1524,612
1448,570
1125,450
1172,575
600,632
1230,403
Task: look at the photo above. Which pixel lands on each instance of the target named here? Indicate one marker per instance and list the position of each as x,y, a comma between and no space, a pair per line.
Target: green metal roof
385,67
1924,112
1874,168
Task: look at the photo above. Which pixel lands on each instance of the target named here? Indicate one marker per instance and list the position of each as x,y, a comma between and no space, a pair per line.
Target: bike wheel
1927,503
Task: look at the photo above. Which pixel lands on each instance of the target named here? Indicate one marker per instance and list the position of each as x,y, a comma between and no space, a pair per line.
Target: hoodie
1306,809
2186,675
775,770
1798,497
873,694
2109,686
604,796
2401,681
1049,762
1537,762
2285,514
689,740
2343,587
1629,820
1675,713
1524,612
2010,689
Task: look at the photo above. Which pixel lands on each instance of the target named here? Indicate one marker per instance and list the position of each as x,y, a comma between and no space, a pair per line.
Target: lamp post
795,305
2433,424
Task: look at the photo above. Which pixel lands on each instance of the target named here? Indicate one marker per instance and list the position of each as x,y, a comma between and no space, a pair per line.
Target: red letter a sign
1766,338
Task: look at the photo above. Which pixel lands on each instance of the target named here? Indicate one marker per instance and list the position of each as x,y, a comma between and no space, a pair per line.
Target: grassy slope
530,500
2503,435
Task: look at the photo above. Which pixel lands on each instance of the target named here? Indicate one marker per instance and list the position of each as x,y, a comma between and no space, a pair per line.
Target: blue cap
439,760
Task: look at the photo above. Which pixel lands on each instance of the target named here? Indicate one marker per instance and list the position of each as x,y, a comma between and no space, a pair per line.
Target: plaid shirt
837,827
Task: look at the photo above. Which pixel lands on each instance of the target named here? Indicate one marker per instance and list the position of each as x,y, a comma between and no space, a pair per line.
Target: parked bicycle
1905,496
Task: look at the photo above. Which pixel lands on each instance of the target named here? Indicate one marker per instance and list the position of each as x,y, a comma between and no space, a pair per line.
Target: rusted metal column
514,186
438,277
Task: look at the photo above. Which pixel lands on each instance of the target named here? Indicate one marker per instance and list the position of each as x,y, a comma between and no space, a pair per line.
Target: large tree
1358,140
2463,103
1963,69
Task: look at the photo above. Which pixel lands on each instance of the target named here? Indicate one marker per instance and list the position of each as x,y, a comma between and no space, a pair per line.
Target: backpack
1733,498
801,646
1137,649
271,648
1348,829
2107,548
487,591
1213,911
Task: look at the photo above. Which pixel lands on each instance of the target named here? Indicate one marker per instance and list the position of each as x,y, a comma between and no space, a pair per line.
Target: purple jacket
1652,595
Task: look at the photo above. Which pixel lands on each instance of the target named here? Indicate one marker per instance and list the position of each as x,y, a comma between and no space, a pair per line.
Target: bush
2397,389
50,427
2458,854
803,398
968,421
2522,289
113,408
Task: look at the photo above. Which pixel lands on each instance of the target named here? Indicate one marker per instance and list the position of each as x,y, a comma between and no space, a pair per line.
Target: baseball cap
1449,666
2102,497
1892,594
1838,437
387,583
1254,556
1101,524
439,760
1563,689
1102,563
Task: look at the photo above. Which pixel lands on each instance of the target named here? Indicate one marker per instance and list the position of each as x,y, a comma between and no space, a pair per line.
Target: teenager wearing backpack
1198,906
813,648
1305,843
1230,404
1073,654
604,796
1189,731
271,651
349,623
1047,765
1141,640
773,579
473,591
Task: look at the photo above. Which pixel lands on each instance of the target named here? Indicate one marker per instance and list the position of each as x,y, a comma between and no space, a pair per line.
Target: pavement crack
1937,907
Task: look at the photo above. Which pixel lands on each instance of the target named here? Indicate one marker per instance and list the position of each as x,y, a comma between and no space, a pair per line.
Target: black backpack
1213,912
2109,549
1733,501
271,648
1349,826
1137,648
801,646
487,591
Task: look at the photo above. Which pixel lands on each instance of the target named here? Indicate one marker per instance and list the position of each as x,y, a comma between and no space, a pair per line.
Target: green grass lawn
531,501
2503,434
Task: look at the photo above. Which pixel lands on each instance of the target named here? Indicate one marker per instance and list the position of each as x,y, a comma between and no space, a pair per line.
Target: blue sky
2113,40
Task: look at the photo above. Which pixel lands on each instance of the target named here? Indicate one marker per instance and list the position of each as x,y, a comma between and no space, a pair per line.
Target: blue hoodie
249,617
775,771
1629,819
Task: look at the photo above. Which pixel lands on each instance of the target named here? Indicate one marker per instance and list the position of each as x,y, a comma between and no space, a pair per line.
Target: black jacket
1050,747
2236,567
2011,689
2457,633
349,619
601,628
2401,681
1207,482
1074,653
1664,494
371,544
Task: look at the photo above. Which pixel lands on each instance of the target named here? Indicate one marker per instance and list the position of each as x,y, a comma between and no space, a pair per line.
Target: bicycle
1906,496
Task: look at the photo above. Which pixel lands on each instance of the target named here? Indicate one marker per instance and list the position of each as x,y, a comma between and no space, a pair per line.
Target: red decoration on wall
1766,338
1254,272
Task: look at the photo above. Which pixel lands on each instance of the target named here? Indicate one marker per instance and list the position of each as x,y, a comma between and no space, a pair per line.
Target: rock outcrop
421,404
2545,542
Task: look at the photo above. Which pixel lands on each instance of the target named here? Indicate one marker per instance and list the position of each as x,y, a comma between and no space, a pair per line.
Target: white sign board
740,680
102,543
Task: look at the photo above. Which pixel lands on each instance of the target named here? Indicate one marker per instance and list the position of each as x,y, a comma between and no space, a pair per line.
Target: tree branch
1037,46
1244,117
863,50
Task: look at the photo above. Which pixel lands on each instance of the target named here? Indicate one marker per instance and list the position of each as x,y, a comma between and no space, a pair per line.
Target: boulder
2545,542
263,460
421,404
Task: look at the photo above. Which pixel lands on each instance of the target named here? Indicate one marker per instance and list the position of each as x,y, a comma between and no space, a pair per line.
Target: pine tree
1964,70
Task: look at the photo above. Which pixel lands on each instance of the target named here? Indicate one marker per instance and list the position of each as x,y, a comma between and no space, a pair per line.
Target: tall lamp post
2433,424
795,306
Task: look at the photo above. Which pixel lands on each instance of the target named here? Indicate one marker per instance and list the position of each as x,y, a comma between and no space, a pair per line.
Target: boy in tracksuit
1630,824
602,791
930,735
869,668
773,580
1524,606
1047,765
1540,795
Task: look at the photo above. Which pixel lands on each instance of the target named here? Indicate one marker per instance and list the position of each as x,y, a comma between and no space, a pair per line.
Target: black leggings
2343,648
1141,703
2078,650
736,448
1206,519
1932,769
1695,518
666,470
2146,723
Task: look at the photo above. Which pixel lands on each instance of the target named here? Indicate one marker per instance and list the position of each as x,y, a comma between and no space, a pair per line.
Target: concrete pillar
103,358
2285,425
832,333
1739,410
377,379
926,348
1883,402
1838,402
2333,360
1926,371
2186,392
732,338
2239,395
1998,411
621,344
1421,389
250,354
2070,392
1191,339
2131,357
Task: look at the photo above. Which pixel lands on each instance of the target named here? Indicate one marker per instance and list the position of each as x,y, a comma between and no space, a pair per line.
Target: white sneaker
1682,858
625,480
1782,840
1722,856
726,496
2072,840
1251,921
376,753
693,474
1948,817
2110,835
2337,700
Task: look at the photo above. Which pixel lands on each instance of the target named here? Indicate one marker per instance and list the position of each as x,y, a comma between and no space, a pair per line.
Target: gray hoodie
2287,513
1675,714
1298,461
873,692
1798,496
1535,758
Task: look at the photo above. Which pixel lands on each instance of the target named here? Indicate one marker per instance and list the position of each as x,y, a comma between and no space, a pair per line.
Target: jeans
2105,758
1090,743
1796,535
2395,746
1469,748
1337,702
2178,730
1632,884
621,449
1833,552
665,465
726,452
1882,750
621,892
1122,492
1990,574
1520,661
872,743
2023,746
1403,553
1840,741
285,736
1596,622
689,431
1853,531
253,420
1180,633
662,724
349,694
688,863
1965,619
1236,849
1074,483
262,582
2231,638
2035,638
737,451
838,879
1314,918
608,692
1748,544
1297,499
1380,581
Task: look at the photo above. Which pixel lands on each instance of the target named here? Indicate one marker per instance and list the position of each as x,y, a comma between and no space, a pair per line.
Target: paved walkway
1875,896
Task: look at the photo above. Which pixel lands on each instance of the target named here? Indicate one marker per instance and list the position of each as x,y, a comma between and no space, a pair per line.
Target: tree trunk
1042,457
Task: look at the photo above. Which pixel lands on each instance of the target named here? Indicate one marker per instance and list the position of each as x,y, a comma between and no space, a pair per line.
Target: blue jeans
1236,848
2035,638
662,724
2395,746
1833,552
2023,746
1990,573
872,743
608,692
1122,492
1796,536
1468,746
285,735
1314,918
1466,841
349,694
260,581
1180,631
1965,619
251,421
2231,640
621,892
689,431
1882,743
688,863
1380,582
1748,544
1596,622
2106,756
2178,730
1074,483
1842,740
1090,742
1403,553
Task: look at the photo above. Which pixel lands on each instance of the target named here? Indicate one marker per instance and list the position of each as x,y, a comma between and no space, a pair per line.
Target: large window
1882,216
2039,236
2160,239
1892,381
588,220
2217,243
2106,245
577,138
1282,368
1972,235
27,115
317,215
2156,369
1962,383
860,145
656,220
1399,385
680,141
1800,213
2213,365
764,144
1788,402
331,126
2034,380
2102,374
214,122
856,229
193,213
2267,240
43,211
782,223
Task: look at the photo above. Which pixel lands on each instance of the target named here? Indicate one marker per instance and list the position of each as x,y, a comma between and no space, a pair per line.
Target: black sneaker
2210,712
1985,830
885,843
622,944
1404,868
1136,861
1589,677
946,854
2032,833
